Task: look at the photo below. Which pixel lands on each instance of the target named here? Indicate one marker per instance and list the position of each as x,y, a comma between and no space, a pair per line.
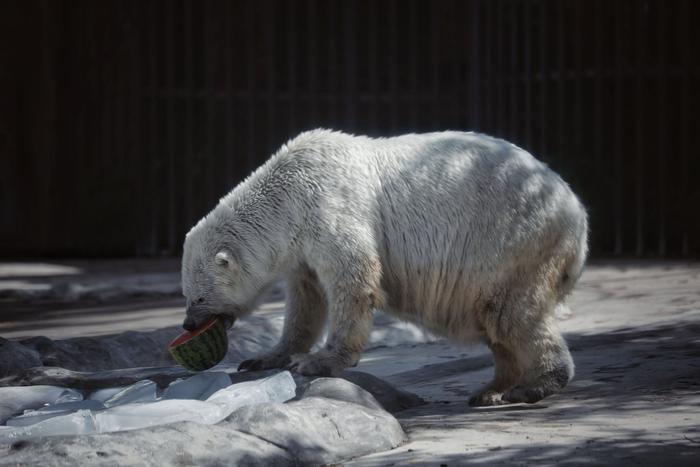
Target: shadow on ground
634,401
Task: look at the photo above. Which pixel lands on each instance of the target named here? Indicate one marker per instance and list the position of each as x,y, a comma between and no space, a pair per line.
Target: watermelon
202,348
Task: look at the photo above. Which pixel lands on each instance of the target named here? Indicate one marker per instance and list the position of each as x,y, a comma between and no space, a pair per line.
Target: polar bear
465,234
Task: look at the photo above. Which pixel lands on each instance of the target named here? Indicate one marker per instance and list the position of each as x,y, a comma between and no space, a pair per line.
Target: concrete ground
634,332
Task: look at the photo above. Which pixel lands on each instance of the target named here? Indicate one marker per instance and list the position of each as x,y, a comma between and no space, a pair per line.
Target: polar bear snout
196,316
189,324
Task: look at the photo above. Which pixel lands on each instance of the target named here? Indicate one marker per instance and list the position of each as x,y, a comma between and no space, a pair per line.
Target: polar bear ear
224,259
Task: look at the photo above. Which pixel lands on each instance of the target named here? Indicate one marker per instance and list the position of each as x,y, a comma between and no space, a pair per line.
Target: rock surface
634,332
54,376
133,349
15,357
176,444
318,430
331,420
366,389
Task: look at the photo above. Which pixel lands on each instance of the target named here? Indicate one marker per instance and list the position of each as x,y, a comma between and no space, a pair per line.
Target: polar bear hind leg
532,360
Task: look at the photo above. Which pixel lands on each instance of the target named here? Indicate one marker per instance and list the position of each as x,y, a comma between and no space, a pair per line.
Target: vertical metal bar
313,62
333,61
499,101
118,111
393,65
662,127
154,145
598,33
600,122
577,151
687,60
456,86
562,77
527,116
119,135
229,128
474,63
63,136
639,130
270,36
488,83
513,74
373,65
211,46
76,139
292,52
44,185
252,59
104,169
434,63
135,132
79,139
413,64
618,136
172,185
190,171
351,68
544,80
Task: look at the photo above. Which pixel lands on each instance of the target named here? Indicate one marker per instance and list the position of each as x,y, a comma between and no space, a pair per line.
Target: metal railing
165,105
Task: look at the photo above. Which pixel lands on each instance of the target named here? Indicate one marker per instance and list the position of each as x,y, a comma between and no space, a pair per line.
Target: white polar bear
465,234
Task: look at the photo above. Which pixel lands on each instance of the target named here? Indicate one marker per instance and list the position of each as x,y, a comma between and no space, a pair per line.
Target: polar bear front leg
305,316
352,296
349,328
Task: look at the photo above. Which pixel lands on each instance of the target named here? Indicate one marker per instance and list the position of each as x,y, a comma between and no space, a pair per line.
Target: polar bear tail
576,258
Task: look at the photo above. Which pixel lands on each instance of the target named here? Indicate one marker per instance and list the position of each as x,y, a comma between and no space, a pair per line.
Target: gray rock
317,430
176,444
132,349
52,376
333,420
384,394
337,389
388,396
14,357
126,350
250,336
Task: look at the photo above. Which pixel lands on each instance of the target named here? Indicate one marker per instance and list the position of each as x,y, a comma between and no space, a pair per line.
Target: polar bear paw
487,399
321,363
264,362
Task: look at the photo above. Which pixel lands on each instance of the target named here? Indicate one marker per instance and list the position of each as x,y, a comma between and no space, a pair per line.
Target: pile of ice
205,398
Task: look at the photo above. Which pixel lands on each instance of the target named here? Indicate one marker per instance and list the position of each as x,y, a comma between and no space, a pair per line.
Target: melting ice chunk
199,386
30,417
141,391
131,416
81,422
15,400
103,394
276,388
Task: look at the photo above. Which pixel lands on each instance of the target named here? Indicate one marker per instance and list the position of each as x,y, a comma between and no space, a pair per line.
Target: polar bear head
222,274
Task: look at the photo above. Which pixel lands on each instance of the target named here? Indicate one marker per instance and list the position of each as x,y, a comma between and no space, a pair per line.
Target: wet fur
465,234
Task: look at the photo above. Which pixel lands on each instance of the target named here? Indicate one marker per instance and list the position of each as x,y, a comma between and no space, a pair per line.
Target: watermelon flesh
187,335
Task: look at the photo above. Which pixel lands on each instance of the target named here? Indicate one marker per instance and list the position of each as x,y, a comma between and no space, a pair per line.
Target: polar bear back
452,216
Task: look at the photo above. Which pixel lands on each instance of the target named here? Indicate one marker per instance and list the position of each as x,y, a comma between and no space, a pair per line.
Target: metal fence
161,107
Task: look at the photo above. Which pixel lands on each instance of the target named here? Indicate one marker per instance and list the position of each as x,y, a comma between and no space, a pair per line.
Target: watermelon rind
204,350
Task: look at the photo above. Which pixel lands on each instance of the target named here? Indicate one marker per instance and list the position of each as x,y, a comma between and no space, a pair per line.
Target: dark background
123,122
